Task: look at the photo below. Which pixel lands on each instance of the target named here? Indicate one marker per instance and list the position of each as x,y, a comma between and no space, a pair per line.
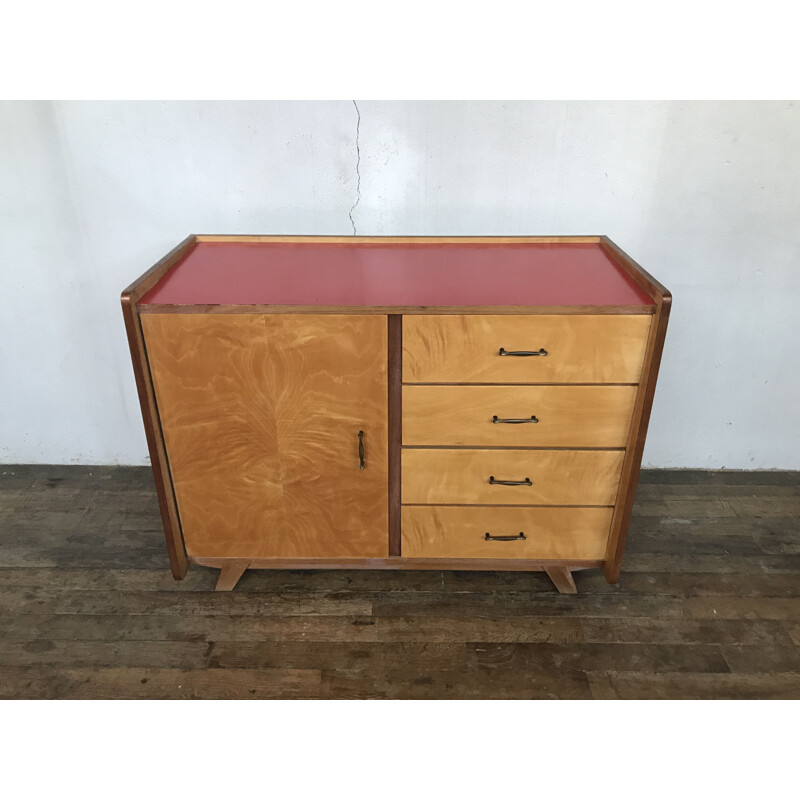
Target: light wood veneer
592,348
261,416
263,363
557,477
568,416
550,533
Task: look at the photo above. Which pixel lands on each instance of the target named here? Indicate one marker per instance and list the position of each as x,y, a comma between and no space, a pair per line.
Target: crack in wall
358,168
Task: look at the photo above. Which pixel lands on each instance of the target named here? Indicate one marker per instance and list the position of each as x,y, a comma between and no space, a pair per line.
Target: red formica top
404,274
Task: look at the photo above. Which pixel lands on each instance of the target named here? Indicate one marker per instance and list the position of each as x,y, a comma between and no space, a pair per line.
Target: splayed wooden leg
229,575
562,578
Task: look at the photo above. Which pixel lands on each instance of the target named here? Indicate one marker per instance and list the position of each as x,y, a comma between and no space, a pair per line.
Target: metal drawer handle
493,481
361,464
489,538
503,352
496,419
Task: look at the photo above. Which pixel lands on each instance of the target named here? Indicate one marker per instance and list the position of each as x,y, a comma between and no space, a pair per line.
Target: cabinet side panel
261,416
155,442
636,442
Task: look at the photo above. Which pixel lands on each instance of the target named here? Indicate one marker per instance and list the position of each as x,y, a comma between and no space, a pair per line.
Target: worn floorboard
708,606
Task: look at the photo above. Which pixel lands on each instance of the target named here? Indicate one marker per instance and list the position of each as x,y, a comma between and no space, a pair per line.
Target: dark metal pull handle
361,464
526,482
489,538
496,419
503,352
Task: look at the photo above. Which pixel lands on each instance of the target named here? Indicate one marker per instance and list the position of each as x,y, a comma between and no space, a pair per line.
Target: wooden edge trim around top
494,564
193,308
144,386
395,389
148,279
146,282
212,237
636,439
640,275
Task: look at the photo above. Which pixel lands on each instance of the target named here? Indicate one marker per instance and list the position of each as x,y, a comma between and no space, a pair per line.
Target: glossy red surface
429,274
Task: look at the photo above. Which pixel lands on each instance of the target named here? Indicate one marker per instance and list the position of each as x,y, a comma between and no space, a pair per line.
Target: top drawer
573,348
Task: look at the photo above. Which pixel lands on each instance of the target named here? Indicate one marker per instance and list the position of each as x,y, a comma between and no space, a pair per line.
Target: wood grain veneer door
261,415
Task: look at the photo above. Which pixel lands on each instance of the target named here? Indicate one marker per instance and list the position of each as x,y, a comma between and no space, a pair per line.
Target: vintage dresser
396,403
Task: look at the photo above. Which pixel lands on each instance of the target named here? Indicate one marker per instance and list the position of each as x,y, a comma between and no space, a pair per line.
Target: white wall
704,195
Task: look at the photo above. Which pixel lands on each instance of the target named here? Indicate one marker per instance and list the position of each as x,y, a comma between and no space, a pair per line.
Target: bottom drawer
549,533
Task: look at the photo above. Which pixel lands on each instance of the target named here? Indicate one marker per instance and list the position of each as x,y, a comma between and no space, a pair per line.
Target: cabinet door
261,416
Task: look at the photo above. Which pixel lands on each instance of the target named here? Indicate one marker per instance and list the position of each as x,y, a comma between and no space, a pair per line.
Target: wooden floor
708,606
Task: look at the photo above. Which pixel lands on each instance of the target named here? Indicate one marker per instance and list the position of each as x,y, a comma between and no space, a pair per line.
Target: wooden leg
562,578
229,575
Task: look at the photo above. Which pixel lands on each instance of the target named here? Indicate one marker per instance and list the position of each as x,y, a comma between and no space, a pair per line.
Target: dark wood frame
147,400
644,404
559,570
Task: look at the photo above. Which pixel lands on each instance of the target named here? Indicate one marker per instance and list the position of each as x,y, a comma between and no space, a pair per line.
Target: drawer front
511,477
576,348
550,533
566,416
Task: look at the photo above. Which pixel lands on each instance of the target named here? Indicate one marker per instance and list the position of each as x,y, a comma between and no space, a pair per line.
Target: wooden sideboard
396,403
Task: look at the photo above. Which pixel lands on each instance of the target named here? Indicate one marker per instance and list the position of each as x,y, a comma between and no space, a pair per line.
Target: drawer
550,533
554,477
567,416
572,348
